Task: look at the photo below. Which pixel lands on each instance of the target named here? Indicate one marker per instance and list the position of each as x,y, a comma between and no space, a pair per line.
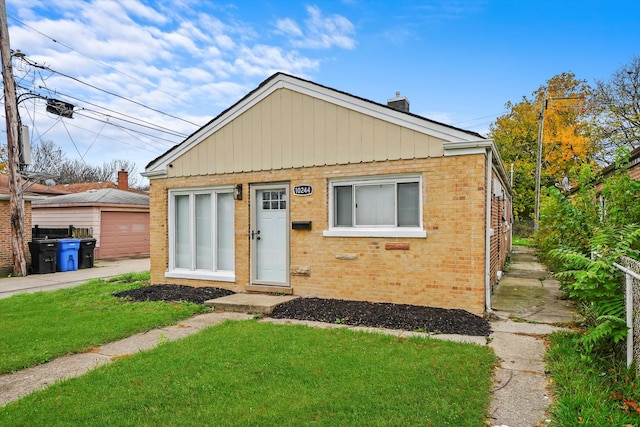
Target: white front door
270,234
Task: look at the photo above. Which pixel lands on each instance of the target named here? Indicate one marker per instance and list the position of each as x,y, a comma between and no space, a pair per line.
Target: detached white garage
119,219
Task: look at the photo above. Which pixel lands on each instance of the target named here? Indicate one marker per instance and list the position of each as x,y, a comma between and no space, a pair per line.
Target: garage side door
124,234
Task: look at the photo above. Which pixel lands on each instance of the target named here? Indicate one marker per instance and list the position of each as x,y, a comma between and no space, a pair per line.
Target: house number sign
303,190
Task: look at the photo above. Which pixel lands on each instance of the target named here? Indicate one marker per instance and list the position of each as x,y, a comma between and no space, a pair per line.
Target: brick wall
6,254
445,269
501,238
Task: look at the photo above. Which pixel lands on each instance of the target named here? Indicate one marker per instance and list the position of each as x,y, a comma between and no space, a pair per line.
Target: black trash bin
85,253
43,256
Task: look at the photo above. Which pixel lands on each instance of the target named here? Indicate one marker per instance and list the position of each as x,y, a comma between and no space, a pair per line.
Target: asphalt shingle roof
95,197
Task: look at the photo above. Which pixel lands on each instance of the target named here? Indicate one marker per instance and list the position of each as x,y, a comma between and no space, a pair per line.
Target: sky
144,74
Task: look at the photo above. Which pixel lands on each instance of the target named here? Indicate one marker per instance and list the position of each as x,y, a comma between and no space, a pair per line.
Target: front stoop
249,303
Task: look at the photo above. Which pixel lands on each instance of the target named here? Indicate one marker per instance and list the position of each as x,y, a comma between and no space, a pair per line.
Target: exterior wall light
237,192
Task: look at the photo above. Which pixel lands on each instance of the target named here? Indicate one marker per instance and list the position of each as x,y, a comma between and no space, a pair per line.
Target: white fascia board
159,170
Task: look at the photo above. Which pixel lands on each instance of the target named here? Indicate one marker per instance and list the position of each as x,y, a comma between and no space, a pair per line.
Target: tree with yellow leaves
563,103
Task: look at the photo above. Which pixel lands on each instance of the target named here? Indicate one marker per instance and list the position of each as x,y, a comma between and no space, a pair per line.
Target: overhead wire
151,124
155,137
97,61
44,67
165,142
148,125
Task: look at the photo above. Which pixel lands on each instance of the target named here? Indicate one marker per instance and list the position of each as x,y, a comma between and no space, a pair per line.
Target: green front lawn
35,328
254,373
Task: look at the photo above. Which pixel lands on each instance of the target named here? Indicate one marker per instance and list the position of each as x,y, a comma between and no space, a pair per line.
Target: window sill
218,276
376,232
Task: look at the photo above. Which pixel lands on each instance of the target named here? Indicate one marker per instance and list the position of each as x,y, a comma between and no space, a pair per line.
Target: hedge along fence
631,269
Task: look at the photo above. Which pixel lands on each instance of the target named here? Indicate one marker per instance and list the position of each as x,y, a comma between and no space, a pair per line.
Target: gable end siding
288,129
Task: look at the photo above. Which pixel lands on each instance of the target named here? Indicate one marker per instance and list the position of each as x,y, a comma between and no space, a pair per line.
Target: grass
35,328
521,241
599,391
255,373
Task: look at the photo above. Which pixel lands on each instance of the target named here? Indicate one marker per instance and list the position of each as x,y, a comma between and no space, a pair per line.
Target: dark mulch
380,315
176,293
384,315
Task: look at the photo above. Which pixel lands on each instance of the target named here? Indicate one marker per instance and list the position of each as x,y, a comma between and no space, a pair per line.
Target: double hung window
382,206
201,234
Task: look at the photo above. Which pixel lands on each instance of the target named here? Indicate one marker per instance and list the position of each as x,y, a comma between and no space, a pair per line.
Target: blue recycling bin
67,259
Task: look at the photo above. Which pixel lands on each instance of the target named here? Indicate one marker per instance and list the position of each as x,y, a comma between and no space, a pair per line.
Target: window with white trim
381,206
201,234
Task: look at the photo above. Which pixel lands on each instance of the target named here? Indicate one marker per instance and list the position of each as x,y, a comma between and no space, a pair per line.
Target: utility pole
16,207
539,164
545,102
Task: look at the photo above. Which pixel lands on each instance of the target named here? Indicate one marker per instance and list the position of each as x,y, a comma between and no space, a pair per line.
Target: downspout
487,236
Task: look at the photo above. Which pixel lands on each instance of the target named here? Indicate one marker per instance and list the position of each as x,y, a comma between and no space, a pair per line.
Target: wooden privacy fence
59,233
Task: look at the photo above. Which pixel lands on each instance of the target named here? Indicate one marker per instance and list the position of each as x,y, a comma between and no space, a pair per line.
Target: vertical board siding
274,115
285,120
331,135
288,129
319,133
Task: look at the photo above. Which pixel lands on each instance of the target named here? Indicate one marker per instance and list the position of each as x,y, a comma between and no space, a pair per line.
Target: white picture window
201,234
385,206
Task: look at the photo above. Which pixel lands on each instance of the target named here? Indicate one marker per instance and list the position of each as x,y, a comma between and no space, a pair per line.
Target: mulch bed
175,293
380,315
384,315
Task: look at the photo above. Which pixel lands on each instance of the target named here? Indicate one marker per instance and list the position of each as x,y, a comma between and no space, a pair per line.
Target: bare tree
48,160
617,118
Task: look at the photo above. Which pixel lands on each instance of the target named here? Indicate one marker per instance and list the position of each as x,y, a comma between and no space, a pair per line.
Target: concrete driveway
48,282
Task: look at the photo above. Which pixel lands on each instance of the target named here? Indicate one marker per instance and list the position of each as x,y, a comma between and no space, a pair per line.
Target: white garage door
124,234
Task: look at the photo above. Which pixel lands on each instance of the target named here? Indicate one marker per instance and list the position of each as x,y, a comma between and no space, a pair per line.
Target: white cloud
181,57
319,31
288,27
143,11
263,60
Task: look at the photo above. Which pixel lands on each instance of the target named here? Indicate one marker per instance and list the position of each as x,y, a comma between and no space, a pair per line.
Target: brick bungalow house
302,189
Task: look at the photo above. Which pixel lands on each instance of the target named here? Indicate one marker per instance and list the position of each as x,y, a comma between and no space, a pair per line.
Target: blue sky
456,61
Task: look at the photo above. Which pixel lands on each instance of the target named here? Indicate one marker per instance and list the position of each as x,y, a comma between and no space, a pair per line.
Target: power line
124,127
152,126
163,141
97,61
44,67
137,121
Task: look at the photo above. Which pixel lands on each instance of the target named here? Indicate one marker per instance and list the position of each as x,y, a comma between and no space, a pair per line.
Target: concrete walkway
528,305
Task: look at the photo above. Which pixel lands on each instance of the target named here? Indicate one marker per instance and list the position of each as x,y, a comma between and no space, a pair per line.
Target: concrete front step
249,303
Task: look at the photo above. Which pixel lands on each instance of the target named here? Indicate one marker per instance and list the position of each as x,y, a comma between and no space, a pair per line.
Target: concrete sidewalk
48,282
527,306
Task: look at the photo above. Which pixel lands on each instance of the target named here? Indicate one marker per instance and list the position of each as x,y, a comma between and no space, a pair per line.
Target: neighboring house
6,253
119,219
303,189
633,166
